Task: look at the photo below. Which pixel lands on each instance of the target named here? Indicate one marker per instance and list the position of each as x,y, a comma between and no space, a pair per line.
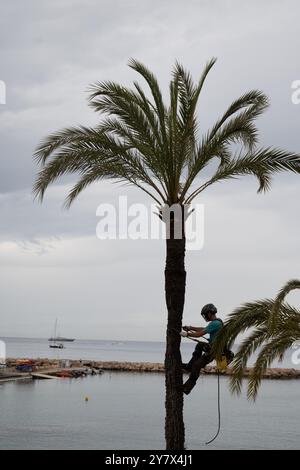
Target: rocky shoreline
48,365
270,373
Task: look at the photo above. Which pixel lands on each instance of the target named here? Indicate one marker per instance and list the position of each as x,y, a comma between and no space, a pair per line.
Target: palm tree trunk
175,278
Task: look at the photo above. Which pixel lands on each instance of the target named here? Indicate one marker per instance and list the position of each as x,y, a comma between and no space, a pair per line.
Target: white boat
56,345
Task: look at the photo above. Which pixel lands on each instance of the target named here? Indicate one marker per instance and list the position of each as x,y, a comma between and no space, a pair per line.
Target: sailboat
56,341
59,339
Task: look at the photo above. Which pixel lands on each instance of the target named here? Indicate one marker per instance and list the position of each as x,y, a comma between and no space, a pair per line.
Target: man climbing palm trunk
203,353
157,148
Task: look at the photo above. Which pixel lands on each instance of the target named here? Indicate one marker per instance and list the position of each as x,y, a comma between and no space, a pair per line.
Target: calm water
54,415
101,350
86,349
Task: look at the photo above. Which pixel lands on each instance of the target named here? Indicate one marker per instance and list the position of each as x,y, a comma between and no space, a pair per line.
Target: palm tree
274,326
156,147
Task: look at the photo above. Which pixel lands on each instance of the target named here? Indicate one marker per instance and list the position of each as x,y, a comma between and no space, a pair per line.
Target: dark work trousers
200,358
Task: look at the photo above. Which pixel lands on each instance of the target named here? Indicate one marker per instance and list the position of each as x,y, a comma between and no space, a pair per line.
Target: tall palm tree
157,148
274,326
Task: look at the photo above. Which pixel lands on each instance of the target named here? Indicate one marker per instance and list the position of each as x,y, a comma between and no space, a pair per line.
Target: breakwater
58,367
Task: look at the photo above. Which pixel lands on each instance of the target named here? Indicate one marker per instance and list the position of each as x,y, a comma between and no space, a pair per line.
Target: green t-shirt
212,329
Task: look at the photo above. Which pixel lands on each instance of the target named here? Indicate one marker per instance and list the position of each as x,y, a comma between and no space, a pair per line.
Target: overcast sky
52,264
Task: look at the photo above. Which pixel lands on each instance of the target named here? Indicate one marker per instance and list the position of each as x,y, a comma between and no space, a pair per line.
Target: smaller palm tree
275,326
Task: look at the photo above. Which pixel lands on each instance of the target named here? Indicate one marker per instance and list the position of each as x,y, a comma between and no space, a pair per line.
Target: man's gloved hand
184,334
187,328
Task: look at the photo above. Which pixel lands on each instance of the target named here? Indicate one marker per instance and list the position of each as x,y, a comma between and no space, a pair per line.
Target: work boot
188,386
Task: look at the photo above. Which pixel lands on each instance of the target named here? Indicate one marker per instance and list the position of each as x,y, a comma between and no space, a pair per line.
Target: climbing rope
219,412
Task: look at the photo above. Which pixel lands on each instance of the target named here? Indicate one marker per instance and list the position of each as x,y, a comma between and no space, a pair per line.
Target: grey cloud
59,48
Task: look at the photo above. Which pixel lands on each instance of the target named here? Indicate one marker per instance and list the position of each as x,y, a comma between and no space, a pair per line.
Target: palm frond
156,147
155,90
275,348
256,103
231,128
243,318
246,349
262,164
98,152
271,343
284,291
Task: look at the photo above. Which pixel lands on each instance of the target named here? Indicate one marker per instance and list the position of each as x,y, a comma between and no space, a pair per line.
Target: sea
125,410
